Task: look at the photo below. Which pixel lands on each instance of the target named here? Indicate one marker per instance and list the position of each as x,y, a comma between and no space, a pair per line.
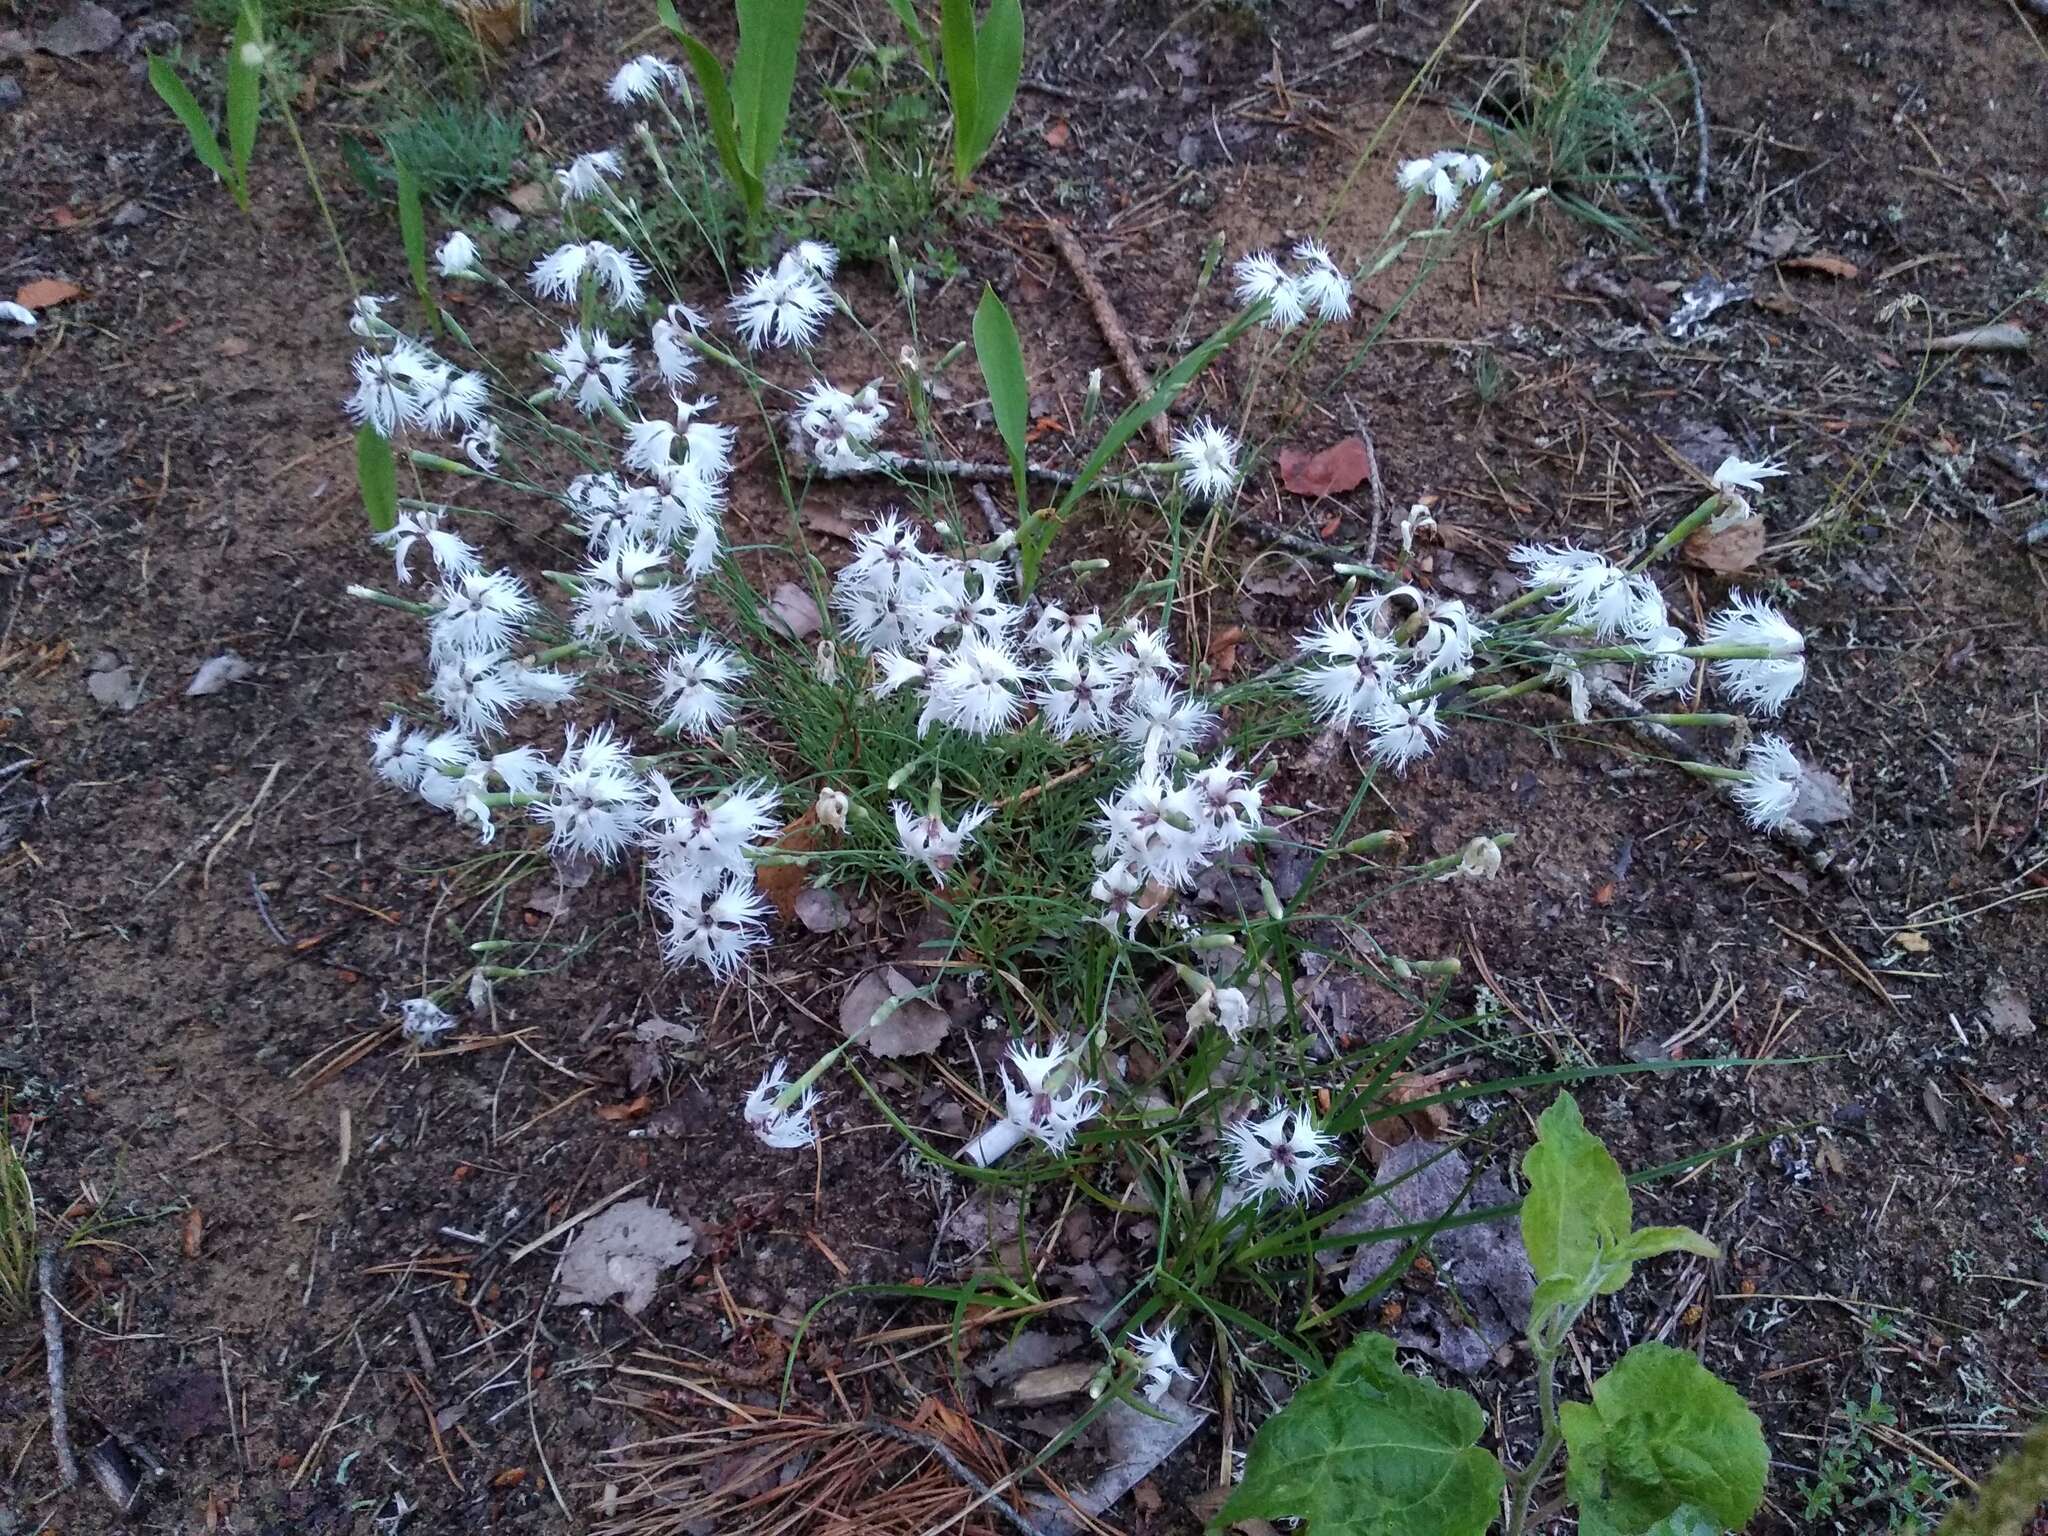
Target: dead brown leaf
44,292
632,1109
780,883
1341,467
1057,135
1730,549
193,1234
1827,266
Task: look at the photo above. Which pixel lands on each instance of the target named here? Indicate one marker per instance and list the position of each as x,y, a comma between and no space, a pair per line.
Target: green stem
1546,1449
291,124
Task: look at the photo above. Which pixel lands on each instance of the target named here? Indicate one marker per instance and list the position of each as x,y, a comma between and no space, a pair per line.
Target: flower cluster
402,385
1446,176
1312,285
1375,664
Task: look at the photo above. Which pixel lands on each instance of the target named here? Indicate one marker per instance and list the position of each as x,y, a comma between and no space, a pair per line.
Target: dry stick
53,1354
959,1469
975,472
1699,95
1111,327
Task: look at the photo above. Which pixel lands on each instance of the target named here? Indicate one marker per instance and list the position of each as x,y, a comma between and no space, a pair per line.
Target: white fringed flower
596,804
456,256
1740,474
712,923
586,175
932,843
1053,1101
692,686
1157,1360
643,79
620,275
1283,1155
384,397
479,612
674,358
452,554
783,1128
785,307
1348,668
619,602
1764,684
1403,734
1207,455
1771,789
1322,285
592,371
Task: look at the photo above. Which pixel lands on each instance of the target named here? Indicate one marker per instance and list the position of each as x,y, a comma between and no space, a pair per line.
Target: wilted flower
423,1022
456,256
1739,474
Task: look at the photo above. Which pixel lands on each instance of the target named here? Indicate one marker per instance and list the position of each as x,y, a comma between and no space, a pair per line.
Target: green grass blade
963,85
412,229
245,101
1001,356
717,107
185,107
998,62
377,476
763,76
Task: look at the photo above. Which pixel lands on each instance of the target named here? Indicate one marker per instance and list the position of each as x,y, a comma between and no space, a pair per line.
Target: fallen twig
1111,327
53,1356
1699,96
975,472
893,1431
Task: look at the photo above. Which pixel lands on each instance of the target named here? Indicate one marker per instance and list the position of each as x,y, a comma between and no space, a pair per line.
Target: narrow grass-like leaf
205,142
412,229
718,110
763,76
377,477
245,99
963,86
1001,356
998,62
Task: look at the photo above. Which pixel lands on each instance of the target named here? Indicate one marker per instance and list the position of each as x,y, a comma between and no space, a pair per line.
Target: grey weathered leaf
2006,1011
83,28
621,1252
1823,799
916,1027
821,911
791,612
215,673
114,685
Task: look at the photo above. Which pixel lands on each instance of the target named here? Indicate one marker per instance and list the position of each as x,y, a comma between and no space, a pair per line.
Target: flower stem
1546,1448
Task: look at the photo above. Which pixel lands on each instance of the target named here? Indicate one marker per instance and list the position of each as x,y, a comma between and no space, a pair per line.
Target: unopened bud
831,809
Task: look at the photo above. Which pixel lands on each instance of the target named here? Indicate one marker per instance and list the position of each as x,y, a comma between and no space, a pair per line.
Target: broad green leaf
412,229
377,476
763,76
1367,1450
1001,356
1576,1215
1662,1432
245,98
906,12
998,61
717,107
1650,1242
963,89
1132,422
205,143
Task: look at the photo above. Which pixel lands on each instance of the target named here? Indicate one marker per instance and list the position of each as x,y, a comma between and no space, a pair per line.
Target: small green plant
982,63
17,1230
1558,122
457,151
1859,1482
748,111
430,29
246,54
1665,1448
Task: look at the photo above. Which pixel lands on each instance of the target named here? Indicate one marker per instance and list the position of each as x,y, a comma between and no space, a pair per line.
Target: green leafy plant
457,151
1664,1448
242,106
748,110
982,63
377,475
1001,356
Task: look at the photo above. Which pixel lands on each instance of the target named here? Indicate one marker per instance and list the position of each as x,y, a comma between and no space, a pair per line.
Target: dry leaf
1057,135
45,292
791,612
1728,547
632,1109
1829,266
821,911
1223,650
194,1232
915,1028
1911,942
783,883
1341,467
2006,1011
511,1477
622,1252
528,197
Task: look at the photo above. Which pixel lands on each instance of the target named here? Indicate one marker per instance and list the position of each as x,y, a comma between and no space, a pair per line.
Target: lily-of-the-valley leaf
1368,1450
1661,1434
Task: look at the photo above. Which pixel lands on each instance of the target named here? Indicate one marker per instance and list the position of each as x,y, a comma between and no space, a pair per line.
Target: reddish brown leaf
1341,467
781,882
632,1109
1057,135
511,1477
45,292
195,1231
1730,550
1827,266
1223,650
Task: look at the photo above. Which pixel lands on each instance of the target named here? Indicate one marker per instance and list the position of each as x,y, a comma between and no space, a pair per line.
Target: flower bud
831,809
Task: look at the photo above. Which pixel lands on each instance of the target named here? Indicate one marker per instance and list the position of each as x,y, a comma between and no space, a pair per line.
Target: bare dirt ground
311,1294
